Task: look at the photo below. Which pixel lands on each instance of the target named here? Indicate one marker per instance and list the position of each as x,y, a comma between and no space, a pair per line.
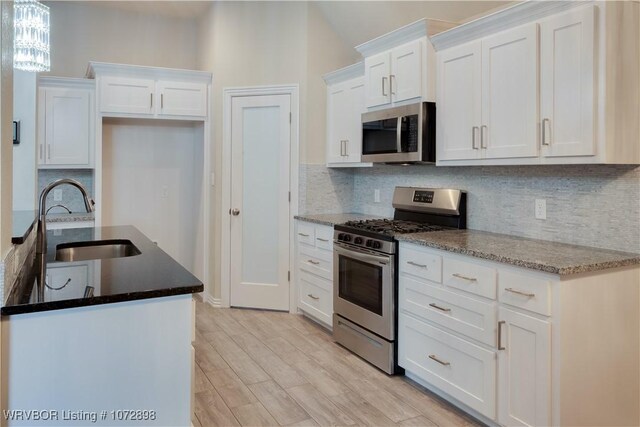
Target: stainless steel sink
99,249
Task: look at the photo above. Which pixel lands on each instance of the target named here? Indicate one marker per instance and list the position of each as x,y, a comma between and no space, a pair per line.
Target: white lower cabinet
314,270
520,347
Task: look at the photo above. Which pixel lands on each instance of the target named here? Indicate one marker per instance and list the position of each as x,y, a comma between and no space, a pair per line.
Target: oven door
364,288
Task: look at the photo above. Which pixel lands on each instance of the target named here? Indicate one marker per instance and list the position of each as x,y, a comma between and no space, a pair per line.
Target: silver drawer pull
523,293
437,307
310,261
322,240
303,235
416,264
442,362
460,276
312,296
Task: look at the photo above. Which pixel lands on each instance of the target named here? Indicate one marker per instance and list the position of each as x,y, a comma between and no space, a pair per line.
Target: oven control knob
358,240
341,236
347,238
369,243
376,245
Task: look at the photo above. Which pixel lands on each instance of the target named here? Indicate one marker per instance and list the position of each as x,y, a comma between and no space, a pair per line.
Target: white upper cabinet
509,94
567,84
345,105
135,91
559,85
400,66
65,123
459,102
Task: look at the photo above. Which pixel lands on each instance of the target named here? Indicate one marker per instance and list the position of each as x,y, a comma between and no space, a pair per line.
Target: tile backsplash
592,205
71,197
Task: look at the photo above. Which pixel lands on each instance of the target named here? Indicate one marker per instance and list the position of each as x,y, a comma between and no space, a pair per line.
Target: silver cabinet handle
392,77
235,212
162,100
500,323
49,151
473,137
544,131
415,264
523,293
322,240
383,80
482,142
442,362
303,235
151,100
312,296
460,276
346,147
437,307
310,261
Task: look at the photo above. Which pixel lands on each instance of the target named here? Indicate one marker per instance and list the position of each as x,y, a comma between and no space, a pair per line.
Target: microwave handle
399,135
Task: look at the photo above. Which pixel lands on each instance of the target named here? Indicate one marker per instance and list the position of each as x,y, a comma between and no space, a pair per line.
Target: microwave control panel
423,196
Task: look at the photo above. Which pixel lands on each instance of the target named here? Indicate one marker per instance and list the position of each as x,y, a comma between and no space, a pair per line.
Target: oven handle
357,253
399,135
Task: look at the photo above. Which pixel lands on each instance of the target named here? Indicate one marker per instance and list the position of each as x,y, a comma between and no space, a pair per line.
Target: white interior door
260,160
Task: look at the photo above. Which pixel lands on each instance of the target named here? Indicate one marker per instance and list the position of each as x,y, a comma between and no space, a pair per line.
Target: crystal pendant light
31,38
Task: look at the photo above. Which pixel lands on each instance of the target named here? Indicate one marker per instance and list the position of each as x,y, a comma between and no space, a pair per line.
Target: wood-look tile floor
264,368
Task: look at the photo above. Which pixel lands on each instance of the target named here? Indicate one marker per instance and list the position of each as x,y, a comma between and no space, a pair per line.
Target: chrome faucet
41,244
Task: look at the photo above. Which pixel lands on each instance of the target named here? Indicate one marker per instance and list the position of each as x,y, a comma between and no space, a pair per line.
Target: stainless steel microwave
405,134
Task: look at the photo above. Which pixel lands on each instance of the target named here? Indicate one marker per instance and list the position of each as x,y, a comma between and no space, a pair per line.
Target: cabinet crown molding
413,31
105,68
51,81
344,74
519,14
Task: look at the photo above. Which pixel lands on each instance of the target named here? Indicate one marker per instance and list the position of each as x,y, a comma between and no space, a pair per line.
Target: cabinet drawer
469,276
316,261
420,263
527,292
306,233
465,315
316,297
463,370
324,237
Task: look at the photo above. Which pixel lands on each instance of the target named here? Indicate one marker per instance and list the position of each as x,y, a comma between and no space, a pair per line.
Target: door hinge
290,117
288,276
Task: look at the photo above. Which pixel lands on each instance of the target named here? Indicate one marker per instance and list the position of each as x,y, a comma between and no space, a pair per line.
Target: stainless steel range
365,269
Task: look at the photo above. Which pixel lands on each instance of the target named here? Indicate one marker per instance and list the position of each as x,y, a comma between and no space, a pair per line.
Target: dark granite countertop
151,274
551,257
333,219
22,224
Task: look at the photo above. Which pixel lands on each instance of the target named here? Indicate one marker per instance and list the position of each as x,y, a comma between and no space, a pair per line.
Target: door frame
225,233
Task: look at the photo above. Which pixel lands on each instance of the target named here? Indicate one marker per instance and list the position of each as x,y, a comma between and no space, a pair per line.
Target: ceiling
178,9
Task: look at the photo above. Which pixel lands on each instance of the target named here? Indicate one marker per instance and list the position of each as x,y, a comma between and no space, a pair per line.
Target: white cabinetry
314,270
516,346
65,123
399,67
345,105
551,83
151,92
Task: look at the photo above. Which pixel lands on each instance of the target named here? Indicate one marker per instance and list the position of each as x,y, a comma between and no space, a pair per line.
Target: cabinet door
567,80
68,282
337,117
406,72
67,126
377,69
353,127
459,103
510,93
127,96
181,99
524,370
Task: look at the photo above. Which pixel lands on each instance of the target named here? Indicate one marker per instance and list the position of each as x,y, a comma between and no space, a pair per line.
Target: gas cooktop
392,226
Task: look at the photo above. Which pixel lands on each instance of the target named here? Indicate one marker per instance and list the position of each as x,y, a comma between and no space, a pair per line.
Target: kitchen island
105,339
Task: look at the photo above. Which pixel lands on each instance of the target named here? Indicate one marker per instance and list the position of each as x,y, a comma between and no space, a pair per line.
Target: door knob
235,212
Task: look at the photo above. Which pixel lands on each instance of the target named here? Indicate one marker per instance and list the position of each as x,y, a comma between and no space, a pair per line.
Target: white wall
83,31
24,154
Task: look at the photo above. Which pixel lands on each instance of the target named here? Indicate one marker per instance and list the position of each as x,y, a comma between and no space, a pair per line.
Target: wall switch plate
376,195
541,209
57,195
165,192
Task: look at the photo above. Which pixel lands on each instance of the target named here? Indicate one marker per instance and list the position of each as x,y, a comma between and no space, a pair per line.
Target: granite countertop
551,257
151,274
333,219
72,217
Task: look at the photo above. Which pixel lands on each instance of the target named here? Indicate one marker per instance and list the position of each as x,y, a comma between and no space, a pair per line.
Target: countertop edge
99,300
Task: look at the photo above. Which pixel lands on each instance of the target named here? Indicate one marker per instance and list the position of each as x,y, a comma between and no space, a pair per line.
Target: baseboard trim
213,302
